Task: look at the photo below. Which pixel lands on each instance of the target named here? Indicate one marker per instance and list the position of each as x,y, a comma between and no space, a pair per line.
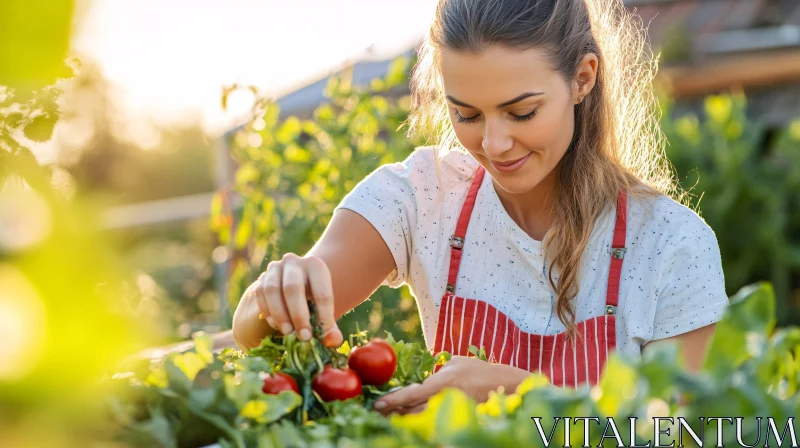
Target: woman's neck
531,210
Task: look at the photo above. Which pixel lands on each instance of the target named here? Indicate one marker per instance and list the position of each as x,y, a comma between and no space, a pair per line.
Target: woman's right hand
281,295
348,262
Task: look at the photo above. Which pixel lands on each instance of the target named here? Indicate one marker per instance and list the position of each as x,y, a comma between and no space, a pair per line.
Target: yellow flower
718,108
499,403
532,382
794,130
157,378
513,402
254,410
448,412
344,348
492,407
617,386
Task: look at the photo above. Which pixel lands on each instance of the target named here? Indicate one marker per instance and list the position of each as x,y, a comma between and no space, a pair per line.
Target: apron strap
617,254
457,240
617,246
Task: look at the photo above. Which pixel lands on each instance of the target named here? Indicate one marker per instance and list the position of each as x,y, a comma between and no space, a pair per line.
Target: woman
546,195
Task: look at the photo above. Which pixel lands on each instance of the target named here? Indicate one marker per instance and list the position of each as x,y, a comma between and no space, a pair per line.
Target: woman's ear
585,77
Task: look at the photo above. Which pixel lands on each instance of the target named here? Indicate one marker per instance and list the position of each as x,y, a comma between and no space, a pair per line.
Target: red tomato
336,384
275,384
374,362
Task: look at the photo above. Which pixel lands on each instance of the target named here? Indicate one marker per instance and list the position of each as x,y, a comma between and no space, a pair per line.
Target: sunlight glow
22,324
171,59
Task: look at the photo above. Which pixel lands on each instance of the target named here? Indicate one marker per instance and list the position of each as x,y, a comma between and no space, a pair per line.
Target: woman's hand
281,295
349,262
472,375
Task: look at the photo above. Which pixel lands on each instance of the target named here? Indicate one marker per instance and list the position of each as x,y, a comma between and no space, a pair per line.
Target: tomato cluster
372,363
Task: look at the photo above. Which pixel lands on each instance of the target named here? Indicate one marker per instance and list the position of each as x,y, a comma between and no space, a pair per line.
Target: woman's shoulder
668,221
430,168
423,181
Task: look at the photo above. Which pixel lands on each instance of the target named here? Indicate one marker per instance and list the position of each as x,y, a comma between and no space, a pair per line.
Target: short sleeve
692,290
387,199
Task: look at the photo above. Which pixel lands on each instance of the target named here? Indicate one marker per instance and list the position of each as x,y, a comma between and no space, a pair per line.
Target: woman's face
511,111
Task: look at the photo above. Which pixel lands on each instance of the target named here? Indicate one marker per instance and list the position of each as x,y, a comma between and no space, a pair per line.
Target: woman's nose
496,139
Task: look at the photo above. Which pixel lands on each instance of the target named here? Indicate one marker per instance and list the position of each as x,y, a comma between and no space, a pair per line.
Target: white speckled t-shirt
671,282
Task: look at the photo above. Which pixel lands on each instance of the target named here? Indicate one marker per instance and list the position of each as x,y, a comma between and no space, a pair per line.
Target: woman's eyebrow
499,106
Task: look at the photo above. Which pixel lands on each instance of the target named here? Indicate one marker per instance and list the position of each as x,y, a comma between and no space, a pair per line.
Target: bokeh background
154,156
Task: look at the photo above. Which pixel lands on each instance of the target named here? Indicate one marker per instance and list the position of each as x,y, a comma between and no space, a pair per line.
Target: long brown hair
617,142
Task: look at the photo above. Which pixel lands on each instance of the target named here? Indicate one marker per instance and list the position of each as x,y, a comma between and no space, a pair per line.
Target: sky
169,59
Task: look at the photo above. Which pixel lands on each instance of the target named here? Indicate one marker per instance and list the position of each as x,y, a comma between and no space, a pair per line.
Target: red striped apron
463,322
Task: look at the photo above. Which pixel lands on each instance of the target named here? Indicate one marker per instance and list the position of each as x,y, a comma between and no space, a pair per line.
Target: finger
260,298
319,279
276,309
294,293
408,397
413,410
248,329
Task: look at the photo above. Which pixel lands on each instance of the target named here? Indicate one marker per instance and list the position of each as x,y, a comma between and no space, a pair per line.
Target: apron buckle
618,252
456,242
451,288
611,310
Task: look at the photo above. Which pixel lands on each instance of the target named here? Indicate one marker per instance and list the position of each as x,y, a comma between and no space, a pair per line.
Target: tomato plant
195,398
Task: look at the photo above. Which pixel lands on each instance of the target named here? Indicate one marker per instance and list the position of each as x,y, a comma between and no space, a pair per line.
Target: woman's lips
510,167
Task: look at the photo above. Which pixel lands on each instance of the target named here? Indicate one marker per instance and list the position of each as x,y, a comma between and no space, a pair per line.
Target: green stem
316,356
295,358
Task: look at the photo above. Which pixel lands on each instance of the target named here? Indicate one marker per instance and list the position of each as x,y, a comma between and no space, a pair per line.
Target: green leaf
34,39
269,350
289,131
40,128
203,344
281,404
243,387
219,422
742,334
658,367
414,362
176,376
283,434
190,363
480,354
155,432
397,73
269,408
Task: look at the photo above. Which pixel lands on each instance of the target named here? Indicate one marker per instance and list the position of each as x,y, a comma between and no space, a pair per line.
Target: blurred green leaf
40,129
280,405
288,131
618,387
155,432
398,73
742,334
34,38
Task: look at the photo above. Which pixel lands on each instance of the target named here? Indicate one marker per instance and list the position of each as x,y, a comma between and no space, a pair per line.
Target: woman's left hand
471,375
